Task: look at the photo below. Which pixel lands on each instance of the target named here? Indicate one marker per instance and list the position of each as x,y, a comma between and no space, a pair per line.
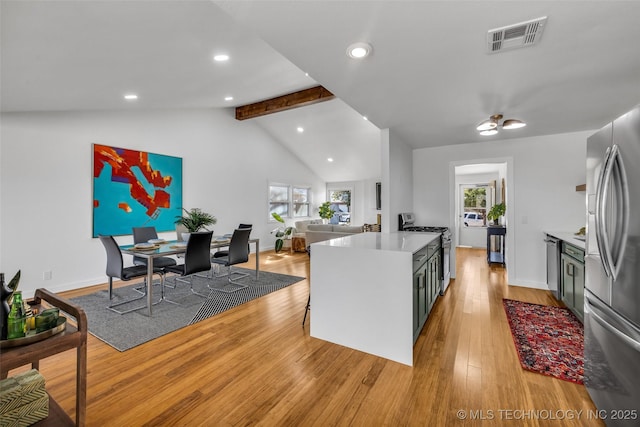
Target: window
341,204
289,201
279,200
300,201
475,206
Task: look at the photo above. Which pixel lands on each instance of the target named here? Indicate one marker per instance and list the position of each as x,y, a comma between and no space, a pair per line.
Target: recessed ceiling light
330,159
228,98
359,50
221,58
300,129
131,97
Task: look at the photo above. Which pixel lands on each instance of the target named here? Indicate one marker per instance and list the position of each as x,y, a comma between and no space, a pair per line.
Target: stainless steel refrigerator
612,270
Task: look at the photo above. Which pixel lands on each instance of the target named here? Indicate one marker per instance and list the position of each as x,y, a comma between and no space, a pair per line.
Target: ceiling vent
514,36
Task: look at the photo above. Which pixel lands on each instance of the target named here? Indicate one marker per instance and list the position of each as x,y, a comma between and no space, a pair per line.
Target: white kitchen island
362,292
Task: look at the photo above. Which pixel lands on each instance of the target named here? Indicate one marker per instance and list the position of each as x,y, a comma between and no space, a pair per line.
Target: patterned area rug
549,340
126,331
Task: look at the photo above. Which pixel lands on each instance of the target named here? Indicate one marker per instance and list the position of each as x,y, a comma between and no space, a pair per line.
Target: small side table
71,338
299,244
495,249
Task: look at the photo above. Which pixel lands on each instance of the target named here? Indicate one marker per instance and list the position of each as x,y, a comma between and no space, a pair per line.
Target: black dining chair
143,235
116,268
238,254
197,258
225,252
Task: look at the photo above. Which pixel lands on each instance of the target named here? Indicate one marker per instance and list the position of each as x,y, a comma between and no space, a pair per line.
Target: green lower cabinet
572,264
420,305
433,279
426,285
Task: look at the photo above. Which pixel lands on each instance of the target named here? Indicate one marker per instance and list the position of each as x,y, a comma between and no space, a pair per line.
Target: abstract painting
134,189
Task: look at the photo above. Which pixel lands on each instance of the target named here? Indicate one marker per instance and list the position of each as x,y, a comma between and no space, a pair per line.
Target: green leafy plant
497,211
195,220
281,232
325,211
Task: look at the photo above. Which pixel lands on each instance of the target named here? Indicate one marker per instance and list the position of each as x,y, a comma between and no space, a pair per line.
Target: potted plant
325,211
496,212
281,232
195,220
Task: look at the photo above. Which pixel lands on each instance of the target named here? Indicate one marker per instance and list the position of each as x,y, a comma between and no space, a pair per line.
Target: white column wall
46,182
397,180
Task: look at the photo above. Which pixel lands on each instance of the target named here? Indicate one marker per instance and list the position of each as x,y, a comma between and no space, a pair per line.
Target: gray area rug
126,331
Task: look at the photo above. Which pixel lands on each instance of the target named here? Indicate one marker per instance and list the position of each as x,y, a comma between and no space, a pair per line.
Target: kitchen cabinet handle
570,269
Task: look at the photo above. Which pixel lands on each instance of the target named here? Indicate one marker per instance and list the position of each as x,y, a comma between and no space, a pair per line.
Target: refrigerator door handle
592,310
601,193
623,207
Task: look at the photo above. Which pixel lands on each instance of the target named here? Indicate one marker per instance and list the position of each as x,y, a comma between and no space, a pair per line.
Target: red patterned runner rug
549,340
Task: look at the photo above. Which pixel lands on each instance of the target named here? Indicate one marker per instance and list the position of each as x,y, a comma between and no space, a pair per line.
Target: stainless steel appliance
612,270
553,263
406,222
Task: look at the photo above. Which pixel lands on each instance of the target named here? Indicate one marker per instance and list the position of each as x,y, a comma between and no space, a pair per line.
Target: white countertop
400,241
568,237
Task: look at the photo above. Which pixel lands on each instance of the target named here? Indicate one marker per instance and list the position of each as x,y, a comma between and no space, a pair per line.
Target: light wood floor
256,365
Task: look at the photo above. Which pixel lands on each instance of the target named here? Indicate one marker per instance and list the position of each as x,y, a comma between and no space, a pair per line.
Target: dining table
175,247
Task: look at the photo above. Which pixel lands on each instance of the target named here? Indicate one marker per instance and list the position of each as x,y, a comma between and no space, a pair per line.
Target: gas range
425,229
406,222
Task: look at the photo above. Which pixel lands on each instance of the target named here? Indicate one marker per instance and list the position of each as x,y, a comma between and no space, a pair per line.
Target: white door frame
510,202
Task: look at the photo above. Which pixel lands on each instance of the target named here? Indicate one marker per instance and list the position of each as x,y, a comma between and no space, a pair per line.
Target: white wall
397,180
542,175
46,178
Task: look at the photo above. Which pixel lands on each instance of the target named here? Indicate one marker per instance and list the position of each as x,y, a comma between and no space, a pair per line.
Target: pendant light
491,125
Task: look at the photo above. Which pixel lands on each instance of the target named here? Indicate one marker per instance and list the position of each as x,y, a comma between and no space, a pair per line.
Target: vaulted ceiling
429,79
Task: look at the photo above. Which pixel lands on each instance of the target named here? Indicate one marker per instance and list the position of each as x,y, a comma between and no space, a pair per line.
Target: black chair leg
306,310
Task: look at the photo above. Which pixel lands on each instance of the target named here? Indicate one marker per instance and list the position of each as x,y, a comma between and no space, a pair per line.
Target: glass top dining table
174,247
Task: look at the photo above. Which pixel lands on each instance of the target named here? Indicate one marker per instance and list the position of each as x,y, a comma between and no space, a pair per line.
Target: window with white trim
289,201
341,204
279,200
301,201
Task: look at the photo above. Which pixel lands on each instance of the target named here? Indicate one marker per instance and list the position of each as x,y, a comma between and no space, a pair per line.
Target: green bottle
15,321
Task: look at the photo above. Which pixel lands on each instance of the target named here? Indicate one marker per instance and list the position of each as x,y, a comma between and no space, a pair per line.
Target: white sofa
321,232
301,226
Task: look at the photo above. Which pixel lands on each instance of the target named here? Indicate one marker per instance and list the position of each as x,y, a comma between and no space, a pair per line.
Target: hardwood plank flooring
256,365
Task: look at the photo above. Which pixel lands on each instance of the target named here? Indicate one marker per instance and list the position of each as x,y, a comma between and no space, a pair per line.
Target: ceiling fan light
489,132
487,125
513,124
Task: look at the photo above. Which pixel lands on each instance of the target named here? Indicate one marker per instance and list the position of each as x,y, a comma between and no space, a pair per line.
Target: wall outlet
46,275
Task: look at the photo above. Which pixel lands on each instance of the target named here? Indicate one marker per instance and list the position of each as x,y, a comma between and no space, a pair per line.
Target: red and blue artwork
134,189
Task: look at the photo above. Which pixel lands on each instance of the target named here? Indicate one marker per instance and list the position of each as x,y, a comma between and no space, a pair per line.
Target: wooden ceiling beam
285,102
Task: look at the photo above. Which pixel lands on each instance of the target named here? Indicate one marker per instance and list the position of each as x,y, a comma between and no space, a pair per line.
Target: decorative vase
185,236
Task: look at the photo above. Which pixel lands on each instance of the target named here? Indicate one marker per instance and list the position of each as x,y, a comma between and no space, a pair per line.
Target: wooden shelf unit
71,337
